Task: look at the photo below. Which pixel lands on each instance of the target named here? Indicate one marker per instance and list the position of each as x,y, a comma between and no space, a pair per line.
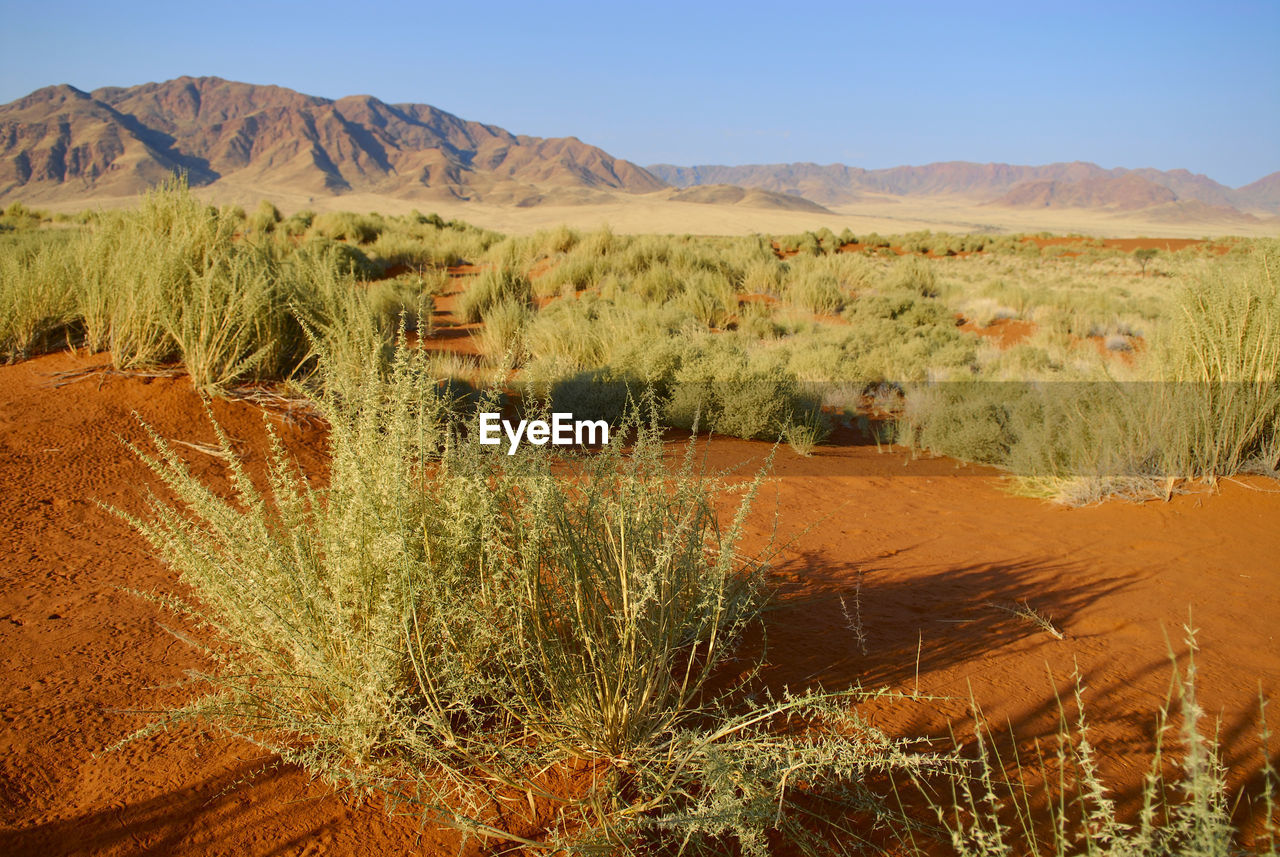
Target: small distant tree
1143,255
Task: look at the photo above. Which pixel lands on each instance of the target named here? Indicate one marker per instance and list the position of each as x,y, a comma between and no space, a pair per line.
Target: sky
1166,85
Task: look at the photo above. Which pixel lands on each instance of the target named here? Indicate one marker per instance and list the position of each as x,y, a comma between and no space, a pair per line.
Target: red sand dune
932,544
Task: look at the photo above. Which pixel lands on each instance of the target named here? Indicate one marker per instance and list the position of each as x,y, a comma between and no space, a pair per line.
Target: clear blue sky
1194,85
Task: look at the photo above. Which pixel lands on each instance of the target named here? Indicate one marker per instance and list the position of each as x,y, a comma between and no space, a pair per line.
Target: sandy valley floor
929,545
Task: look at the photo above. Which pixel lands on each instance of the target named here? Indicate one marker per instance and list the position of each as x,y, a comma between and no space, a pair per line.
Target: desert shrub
172,280
815,291
491,288
562,239
1223,350
708,297
230,321
346,258
915,274
602,242
265,217
657,284
876,240
908,309
598,394
501,339
337,318
983,311
347,226
649,346
722,391
578,272
403,631
566,336
1202,404
1075,440
898,336
995,812
298,223
176,279
138,267
444,245
808,426
764,277
917,242
807,244
755,319
36,296
394,248
827,240
409,299
17,217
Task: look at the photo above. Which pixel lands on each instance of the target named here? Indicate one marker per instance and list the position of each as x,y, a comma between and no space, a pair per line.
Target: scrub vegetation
457,628
549,648
1128,374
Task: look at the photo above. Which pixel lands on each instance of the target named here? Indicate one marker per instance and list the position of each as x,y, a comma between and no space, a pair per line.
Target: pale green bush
444,623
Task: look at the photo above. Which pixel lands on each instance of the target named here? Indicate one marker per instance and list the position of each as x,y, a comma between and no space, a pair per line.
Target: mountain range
1064,185
61,143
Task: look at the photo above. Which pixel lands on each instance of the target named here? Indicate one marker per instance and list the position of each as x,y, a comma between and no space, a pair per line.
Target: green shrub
138,268
407,300
724,393
1203,403
231,320
265,217
914,274
445,623
36,297
1223,350
566,337
756,319
491,288
708,297
501,340
18,218
577,272
815,291
346,226
599,394
764,277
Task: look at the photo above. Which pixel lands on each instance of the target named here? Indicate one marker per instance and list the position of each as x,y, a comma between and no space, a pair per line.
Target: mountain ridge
1075,184
62,142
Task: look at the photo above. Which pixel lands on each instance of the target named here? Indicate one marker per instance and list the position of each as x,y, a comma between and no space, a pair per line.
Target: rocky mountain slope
63,143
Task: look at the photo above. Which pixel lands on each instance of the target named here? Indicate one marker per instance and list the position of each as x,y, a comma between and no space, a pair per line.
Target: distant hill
1122,193
63,143
1076,184
834,184
1125,193
1265,192
722,194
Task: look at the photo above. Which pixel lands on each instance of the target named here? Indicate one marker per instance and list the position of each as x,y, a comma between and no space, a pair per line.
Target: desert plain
917,538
